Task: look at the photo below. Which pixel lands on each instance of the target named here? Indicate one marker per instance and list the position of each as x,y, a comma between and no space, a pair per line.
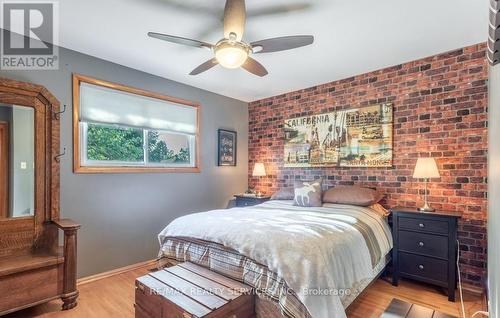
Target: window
119,129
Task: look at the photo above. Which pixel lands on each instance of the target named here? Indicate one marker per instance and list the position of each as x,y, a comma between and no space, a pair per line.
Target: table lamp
259,171
426,168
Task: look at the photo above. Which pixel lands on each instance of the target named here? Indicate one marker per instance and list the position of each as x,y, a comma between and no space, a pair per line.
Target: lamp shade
426,168
259,170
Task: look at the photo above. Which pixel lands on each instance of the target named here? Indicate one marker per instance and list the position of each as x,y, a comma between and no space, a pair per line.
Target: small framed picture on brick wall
227,148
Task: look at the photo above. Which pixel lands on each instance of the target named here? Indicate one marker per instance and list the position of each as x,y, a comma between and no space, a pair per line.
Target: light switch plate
23,165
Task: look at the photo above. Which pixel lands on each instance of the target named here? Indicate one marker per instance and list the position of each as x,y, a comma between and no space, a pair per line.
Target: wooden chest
188,290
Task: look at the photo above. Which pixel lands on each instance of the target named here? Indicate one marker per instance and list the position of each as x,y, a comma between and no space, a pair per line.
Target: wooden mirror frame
19,235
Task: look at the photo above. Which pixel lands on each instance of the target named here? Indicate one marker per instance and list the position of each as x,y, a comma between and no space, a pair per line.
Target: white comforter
313,249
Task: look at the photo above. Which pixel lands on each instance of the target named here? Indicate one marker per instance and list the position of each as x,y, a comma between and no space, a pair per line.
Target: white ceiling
352,37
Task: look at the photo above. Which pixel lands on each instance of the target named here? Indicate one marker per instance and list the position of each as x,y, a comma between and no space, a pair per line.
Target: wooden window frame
77,164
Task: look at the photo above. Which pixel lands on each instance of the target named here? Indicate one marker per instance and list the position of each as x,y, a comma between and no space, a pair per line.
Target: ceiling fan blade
234,18
255,67
204,67
179,40
283,43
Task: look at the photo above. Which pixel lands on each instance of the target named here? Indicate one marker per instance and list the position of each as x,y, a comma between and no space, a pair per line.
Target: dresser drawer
423,243
423,225
424,267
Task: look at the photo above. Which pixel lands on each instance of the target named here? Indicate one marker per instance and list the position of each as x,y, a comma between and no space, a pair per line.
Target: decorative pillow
352,195
308,193
283,194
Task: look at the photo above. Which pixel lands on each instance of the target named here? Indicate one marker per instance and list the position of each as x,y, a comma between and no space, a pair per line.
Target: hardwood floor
378,296
108,297
114,297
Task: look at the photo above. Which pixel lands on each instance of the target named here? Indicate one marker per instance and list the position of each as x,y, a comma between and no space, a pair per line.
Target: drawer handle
421,244
420,266
421,225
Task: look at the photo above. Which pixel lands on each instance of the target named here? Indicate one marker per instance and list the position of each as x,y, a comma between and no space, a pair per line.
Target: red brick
440,109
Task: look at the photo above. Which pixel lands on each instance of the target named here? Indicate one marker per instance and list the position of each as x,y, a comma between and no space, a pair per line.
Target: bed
302,262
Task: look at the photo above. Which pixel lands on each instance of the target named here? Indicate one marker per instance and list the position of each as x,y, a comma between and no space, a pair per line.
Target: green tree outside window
113,143
108,143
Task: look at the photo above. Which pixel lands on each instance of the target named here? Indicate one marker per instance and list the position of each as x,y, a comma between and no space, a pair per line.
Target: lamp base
426,208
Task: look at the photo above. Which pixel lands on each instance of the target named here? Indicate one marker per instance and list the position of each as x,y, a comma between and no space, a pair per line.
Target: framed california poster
227,148
359,137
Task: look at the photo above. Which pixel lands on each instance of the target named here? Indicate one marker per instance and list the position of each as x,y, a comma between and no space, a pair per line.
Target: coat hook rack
58,157
57,115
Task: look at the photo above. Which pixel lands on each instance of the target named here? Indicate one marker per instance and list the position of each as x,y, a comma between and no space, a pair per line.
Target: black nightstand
242,200
425,247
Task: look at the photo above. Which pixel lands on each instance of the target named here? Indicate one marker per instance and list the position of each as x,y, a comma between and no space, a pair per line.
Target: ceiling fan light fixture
231,54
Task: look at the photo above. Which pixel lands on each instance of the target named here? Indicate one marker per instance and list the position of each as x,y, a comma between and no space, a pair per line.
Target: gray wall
122,214
494,192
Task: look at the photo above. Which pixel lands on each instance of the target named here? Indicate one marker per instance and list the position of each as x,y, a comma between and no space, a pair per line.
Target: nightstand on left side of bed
244,200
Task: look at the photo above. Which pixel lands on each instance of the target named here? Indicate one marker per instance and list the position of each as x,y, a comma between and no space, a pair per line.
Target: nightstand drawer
424,244
424,267
423,225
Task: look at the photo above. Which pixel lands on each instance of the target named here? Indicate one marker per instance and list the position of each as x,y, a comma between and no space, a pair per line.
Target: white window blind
109,106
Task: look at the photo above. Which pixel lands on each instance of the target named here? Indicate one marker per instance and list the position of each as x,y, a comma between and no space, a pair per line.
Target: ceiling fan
232,52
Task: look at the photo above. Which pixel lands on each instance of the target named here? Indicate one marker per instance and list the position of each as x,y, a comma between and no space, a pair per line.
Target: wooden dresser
425,247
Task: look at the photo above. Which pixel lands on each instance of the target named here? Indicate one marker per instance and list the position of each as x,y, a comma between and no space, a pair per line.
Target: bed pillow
352,195
283,194
308,193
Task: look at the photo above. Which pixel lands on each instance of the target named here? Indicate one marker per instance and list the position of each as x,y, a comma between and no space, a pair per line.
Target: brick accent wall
440,110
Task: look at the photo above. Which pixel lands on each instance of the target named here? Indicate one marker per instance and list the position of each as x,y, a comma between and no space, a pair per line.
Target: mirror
17,165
